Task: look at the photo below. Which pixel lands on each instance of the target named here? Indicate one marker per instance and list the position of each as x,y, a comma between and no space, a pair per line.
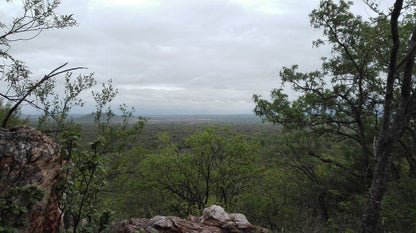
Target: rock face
30,161
214,220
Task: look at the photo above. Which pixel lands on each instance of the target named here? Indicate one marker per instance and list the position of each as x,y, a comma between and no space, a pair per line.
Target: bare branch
36,85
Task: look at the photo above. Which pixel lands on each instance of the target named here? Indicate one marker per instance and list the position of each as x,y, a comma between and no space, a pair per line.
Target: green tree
213,166
18,85
87,160
96,163
365,92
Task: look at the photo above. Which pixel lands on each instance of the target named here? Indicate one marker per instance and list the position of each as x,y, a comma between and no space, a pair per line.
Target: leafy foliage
212,166
93,165
15,205
311,175
18,84
364,94
86,174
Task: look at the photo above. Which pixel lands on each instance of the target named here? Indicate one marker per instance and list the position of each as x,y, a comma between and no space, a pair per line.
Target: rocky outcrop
213,220
30,175
30,165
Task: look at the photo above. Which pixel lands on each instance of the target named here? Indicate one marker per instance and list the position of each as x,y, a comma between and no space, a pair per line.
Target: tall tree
18,84
398,110
364,92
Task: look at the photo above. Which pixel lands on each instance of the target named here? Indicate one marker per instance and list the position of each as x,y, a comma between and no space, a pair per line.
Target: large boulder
30,172
213,220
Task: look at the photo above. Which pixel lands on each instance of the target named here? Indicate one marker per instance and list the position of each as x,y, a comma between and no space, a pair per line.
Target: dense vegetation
309,168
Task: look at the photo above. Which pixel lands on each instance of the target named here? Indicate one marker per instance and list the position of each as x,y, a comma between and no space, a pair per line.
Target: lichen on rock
30,171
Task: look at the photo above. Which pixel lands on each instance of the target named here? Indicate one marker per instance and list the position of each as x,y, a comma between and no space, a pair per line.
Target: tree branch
313,154
52,74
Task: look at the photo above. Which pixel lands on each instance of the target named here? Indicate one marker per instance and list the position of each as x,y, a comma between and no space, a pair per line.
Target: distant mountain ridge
247,118
213,118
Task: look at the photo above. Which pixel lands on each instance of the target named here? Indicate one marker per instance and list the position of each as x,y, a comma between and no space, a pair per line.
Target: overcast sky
181,56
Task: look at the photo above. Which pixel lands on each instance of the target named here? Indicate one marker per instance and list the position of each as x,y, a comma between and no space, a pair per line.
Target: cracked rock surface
213,220
28,158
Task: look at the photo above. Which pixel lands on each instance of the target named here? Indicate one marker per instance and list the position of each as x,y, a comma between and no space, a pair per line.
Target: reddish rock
214,220
29,159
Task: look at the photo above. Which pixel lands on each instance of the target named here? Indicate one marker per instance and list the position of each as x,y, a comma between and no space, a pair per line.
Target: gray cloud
182,56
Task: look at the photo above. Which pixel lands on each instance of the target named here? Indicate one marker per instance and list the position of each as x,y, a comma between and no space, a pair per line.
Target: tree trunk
391,131
372,212
323,207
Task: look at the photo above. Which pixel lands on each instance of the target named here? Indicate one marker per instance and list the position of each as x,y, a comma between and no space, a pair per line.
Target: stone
213,220
215,212
31,160
240,220
161,222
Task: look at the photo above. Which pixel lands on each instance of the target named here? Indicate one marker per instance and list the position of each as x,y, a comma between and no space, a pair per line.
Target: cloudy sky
181,56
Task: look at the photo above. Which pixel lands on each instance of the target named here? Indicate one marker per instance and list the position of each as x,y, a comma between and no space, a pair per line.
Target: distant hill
196,118
236,118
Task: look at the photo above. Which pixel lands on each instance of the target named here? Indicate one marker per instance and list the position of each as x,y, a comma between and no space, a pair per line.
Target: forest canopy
364,93
338,157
